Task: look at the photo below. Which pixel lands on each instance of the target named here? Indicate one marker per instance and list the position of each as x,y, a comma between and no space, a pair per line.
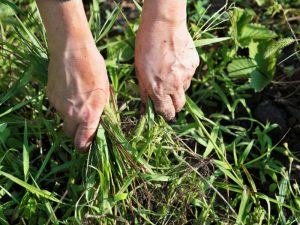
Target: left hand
166,60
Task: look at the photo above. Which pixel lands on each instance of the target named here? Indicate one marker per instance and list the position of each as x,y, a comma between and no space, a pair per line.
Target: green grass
215,165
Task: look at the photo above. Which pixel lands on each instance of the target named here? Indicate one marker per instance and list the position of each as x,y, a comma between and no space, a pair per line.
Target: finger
178,99
142,88
85,134
69,127
187,84
143,93
144,97
164,106
88,119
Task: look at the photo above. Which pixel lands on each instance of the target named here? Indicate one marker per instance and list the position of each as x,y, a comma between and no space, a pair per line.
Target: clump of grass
142,177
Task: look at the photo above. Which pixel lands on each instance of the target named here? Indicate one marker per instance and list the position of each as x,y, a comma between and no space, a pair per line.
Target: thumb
87,128
85,134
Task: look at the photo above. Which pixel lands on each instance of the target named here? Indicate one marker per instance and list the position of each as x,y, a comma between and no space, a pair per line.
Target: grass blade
25,153
30,188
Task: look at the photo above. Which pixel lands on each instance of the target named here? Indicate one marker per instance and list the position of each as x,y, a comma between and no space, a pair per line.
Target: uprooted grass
145,177
215,164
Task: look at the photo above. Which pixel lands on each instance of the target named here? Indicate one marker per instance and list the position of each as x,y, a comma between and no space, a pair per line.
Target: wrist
70,33
73,51
66,24
70,41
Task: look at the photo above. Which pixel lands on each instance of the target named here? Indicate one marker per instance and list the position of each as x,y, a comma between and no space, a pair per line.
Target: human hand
165,60
78,88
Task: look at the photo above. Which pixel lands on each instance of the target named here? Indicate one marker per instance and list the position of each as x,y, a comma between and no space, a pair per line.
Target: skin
77,79
78,87
165,56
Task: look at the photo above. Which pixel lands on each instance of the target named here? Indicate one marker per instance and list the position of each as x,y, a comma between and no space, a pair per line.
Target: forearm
66,24
171,11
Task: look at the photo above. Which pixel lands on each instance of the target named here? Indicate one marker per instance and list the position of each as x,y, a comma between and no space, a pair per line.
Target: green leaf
208,41
155,177
3,219
243,31
227,170
25,153
120,197
5,12
47,158
213,137
4,133
194,108
258,80
30,188
260,2
108,24
241,67
297,202
3,127
30,207
137,5
276,46
239,19
261,77
11,5
246,152
222,95
242,210
250,179
257,31
38,69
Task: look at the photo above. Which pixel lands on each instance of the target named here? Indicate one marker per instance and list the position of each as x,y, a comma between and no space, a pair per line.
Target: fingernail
82,147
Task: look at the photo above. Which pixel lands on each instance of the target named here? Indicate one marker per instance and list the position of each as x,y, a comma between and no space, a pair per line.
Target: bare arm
66,24
171,11
77,79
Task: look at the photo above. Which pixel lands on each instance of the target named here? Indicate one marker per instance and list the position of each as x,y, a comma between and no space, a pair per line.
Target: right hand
166,60
78,88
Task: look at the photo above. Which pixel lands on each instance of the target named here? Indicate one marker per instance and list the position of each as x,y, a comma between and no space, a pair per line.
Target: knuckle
180,104
176,80
157,89
196,61
87,114
90,114
190,75
187,85
69,112
177,83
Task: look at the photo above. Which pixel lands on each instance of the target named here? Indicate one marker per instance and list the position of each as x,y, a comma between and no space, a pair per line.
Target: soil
280,103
